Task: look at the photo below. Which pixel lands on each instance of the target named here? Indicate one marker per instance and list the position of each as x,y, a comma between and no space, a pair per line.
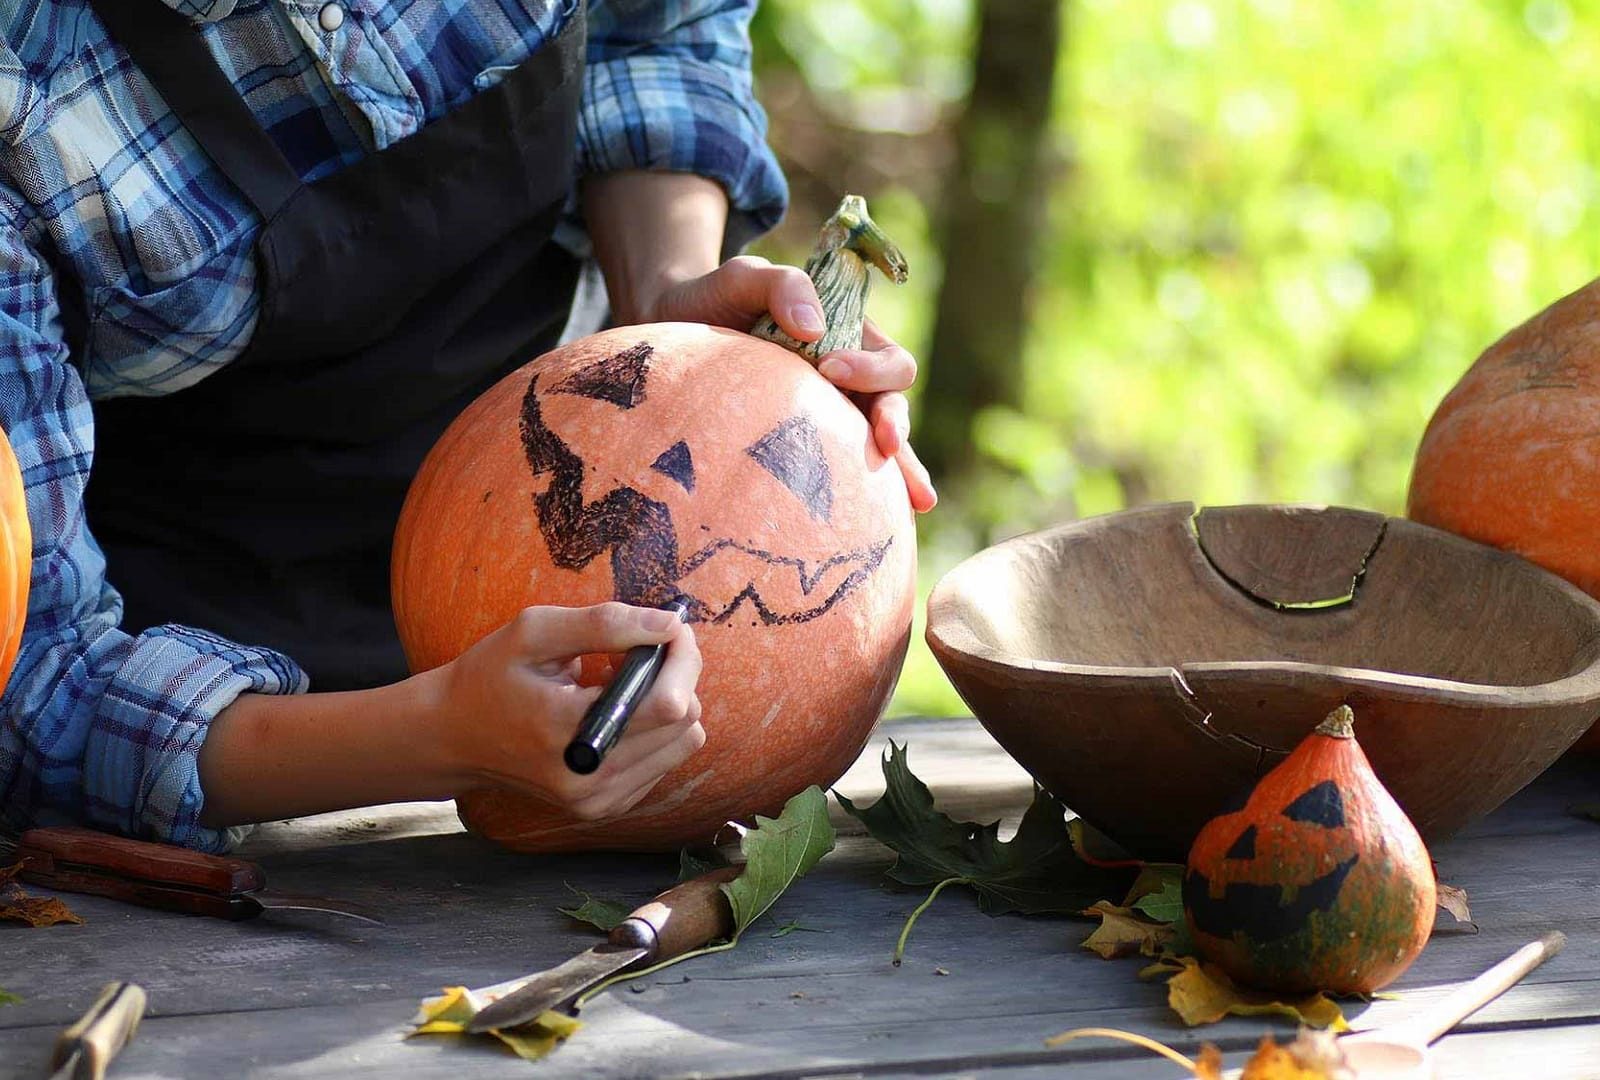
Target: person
256,255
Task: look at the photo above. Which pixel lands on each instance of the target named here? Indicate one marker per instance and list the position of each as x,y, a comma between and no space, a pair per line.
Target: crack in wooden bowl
1146,666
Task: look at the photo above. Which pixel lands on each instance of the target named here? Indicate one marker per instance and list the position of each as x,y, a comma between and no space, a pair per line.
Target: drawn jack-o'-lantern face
1249,893
645,464
739,519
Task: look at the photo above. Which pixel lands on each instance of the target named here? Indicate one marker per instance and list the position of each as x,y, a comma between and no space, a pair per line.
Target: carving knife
683,918
85,1049
72,859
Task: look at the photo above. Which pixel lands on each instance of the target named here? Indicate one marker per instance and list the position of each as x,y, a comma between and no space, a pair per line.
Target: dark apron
260,503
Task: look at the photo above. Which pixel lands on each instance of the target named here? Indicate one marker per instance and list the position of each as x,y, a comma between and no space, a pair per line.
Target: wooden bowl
1148,665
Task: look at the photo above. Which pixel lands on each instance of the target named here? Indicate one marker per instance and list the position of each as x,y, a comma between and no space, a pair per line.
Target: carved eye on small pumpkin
1320,804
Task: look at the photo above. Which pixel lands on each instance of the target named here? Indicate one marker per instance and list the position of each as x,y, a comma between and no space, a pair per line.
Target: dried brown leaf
1453,898
1208,1066
35,911
1124,932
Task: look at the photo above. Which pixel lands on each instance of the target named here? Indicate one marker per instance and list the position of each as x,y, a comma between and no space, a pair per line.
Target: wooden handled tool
85,1049
683,918
73,859
1401,1051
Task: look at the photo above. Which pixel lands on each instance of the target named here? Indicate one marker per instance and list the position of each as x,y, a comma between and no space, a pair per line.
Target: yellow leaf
442,1015
448,1015
1203,995
1164,966
533,1041
1124,932
1208,1066
1314,1055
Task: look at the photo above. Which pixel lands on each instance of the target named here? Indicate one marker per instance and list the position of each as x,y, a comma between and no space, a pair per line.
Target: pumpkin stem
846,244
1340,724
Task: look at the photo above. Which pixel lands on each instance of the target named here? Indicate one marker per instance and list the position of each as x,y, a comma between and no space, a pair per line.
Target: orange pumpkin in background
1511,457
16,558
649,463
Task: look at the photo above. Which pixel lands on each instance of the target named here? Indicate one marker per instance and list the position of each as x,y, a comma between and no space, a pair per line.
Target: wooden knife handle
156,875
102,1032
684,917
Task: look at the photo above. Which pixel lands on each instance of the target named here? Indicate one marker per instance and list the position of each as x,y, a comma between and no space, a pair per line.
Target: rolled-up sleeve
98,724
669,87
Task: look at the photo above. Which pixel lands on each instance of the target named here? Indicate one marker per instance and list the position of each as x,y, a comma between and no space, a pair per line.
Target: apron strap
168,48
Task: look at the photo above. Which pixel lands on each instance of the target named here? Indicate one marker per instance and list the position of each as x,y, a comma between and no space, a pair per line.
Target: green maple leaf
777,853
694,861
597,911
1158,892
604,913
1036,872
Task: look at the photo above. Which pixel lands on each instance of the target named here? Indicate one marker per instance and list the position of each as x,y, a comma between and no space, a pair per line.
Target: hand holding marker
606,719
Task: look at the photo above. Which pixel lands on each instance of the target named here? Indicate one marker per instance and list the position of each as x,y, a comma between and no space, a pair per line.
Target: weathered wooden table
321,997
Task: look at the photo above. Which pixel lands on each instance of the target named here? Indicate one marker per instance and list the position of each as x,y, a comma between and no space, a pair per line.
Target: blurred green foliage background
1274,233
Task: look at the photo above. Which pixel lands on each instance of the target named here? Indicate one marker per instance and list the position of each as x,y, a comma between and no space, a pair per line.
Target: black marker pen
605,720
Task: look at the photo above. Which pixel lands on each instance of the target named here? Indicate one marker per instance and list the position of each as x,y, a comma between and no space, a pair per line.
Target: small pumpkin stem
1340,724
846,244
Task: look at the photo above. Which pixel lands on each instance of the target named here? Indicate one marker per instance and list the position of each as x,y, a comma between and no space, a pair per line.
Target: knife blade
72,859
83,1050
684,917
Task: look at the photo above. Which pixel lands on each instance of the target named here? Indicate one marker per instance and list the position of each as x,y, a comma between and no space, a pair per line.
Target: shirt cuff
141,762
677,114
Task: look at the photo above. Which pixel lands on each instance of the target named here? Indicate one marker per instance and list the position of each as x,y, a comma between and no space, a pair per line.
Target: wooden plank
1569,1050
641,1037
315,997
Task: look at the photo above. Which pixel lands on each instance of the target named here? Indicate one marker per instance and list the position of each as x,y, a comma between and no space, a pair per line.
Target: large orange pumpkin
1512,455
16,558
667,461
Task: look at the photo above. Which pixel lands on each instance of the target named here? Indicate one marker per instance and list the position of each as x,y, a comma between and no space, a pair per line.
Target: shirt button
331,17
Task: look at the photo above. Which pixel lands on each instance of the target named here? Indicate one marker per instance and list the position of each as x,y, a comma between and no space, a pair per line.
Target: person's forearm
268,757
652,230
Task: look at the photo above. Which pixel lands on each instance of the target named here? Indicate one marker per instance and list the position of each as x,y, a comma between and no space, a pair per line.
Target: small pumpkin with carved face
675,461
1319,882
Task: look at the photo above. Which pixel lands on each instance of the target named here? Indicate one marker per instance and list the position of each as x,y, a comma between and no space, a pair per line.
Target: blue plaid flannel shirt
98,184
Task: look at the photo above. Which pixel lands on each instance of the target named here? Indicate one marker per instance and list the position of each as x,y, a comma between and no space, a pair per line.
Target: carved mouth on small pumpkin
640,534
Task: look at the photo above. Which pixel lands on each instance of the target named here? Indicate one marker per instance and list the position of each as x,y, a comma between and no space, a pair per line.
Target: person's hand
745,288
512,702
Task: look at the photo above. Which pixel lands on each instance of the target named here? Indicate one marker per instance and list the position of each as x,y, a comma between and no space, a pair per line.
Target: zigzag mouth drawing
775,597
640,535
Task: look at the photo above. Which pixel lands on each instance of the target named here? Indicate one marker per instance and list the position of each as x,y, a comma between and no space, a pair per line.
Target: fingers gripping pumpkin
675,461
1320,881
